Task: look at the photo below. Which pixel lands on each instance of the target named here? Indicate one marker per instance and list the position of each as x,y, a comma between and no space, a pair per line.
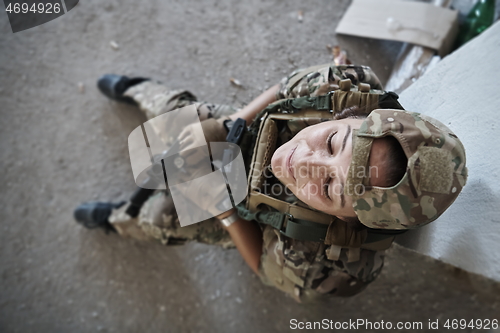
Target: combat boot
95,214
114,86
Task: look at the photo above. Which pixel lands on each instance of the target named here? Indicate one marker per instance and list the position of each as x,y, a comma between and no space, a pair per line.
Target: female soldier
416,168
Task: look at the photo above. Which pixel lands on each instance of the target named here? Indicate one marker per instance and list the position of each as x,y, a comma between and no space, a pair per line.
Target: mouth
289,162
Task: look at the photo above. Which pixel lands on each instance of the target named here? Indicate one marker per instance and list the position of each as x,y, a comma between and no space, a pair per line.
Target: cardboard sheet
406,21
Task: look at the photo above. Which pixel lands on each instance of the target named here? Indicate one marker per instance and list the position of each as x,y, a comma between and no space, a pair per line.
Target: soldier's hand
194,135
190,138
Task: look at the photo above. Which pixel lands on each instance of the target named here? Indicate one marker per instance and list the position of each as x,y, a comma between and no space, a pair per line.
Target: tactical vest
304,223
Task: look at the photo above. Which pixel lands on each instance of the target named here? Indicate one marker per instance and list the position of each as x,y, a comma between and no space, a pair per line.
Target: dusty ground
61,146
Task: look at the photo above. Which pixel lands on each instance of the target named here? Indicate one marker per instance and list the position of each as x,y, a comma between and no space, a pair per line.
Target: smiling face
314,165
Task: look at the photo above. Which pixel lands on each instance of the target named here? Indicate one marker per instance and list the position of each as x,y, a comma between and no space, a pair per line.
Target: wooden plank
406,21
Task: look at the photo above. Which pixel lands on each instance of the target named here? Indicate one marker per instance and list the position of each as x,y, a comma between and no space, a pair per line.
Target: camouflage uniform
320,81
298,268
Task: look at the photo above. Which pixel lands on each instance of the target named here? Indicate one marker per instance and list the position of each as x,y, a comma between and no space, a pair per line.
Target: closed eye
329,142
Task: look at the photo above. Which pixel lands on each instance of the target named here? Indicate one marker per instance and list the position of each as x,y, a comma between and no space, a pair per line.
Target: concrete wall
463,91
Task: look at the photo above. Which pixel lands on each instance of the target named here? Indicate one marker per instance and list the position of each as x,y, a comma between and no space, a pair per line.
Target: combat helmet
435,173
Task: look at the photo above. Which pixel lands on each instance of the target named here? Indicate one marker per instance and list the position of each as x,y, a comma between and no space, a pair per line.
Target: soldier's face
314,165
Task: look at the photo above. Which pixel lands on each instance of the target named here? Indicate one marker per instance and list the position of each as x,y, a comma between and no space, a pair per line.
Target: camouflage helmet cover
435,174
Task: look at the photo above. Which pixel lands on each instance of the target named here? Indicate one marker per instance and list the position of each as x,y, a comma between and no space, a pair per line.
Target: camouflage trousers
157,219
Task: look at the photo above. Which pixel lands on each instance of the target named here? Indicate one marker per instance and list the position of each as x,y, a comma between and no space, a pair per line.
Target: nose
315,166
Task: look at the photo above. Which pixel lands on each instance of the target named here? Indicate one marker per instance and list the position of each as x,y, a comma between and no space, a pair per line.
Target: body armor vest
300,221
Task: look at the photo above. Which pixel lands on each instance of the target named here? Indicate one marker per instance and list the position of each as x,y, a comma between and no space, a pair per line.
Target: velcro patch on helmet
436,170
359,164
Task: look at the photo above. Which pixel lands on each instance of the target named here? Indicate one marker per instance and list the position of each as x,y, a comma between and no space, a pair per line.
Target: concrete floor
61,145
